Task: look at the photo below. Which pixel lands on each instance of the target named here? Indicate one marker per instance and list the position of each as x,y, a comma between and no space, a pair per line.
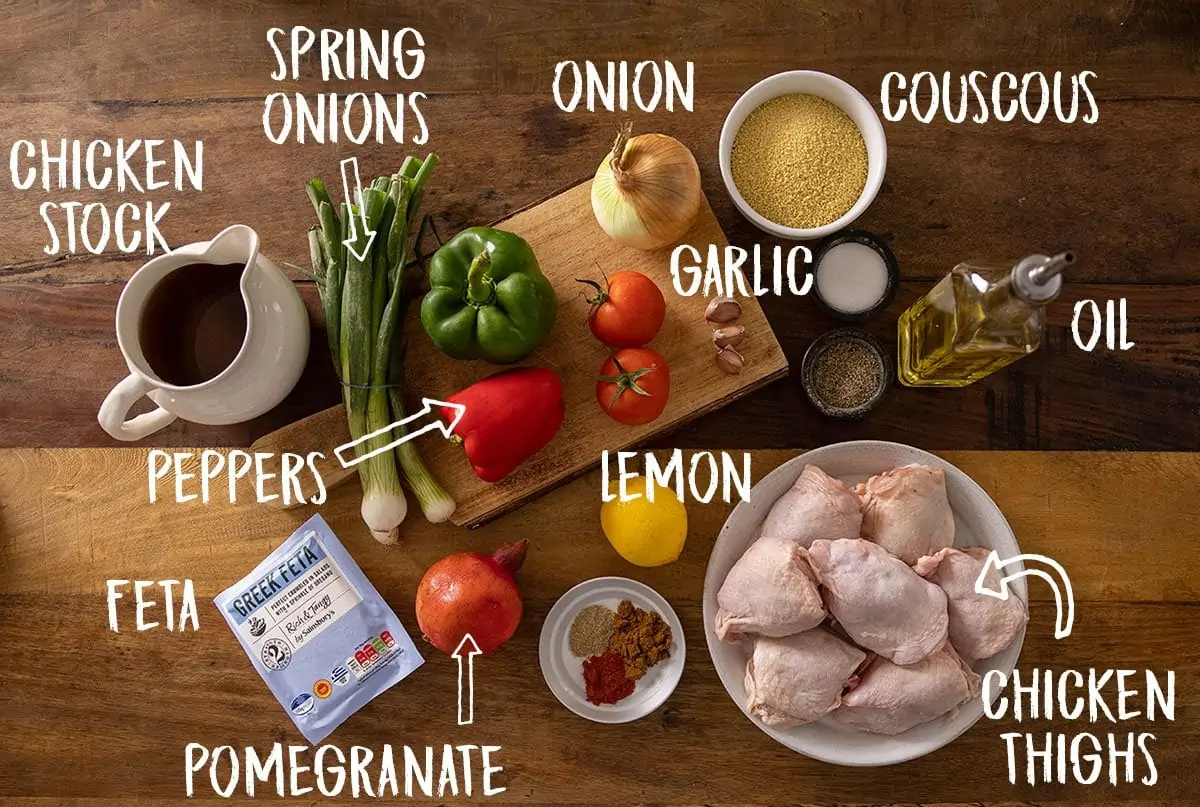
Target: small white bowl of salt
855,275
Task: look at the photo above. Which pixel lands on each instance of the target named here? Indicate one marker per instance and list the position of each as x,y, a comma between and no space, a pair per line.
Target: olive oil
981,317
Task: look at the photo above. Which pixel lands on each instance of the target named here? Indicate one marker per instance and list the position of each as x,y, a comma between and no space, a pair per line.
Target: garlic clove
730,360
729,336
722,310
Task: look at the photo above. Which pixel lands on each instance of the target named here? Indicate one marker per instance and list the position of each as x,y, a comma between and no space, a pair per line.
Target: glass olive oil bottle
979,318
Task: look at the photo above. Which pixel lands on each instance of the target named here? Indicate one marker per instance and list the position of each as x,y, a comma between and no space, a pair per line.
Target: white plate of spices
612,650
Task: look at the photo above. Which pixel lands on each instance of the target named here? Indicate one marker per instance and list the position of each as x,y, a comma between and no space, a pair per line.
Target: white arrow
356,199
348,459
470,649
1063,593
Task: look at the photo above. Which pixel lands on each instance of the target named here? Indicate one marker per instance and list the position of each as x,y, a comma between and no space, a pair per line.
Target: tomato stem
602,294
626,381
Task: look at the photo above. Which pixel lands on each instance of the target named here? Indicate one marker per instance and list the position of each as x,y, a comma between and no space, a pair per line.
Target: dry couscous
799,161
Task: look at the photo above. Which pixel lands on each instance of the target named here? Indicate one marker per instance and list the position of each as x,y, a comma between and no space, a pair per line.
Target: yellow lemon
644,532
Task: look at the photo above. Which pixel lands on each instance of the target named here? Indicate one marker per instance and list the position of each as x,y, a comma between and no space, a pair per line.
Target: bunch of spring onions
364,301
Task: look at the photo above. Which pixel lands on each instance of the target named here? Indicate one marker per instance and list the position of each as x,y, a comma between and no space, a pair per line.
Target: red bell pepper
509,417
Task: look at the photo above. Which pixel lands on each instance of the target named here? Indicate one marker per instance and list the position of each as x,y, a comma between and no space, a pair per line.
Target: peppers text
198,480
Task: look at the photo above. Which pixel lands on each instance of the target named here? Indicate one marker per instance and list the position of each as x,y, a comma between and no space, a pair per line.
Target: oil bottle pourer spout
1037,279
1043,274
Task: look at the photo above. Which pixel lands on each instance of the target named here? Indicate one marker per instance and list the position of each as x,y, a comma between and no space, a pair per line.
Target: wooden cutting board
569,244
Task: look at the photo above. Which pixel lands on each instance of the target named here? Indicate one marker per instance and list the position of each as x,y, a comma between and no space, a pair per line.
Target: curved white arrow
470,649
1064,596
348,459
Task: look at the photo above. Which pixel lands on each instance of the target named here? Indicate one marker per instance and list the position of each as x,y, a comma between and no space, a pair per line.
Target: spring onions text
350,55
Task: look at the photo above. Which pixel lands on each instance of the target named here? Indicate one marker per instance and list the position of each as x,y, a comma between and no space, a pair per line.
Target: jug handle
120,400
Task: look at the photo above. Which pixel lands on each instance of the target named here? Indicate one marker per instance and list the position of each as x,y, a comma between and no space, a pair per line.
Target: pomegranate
470,592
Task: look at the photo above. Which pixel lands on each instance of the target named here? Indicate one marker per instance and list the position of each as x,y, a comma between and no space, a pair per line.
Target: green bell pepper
487,299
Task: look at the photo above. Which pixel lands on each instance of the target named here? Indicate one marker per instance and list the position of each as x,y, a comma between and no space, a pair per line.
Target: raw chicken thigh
980,626
890,699
905,510
770,591
816,506
799,679
879,601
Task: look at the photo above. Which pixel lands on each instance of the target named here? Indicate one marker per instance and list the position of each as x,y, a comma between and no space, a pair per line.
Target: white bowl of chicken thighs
841,609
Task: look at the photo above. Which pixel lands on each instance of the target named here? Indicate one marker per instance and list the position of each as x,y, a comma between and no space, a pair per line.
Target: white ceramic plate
563,672
978,522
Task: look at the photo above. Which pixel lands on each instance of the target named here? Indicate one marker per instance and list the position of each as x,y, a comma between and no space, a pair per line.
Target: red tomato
629,313
634,385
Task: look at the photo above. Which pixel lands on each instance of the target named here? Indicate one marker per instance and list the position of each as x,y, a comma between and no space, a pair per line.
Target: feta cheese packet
317,631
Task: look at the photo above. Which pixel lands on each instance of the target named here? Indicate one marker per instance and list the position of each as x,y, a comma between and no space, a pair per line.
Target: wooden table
116,709
97,718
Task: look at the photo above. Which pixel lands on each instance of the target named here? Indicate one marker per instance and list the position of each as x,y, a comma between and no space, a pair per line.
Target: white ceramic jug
265,370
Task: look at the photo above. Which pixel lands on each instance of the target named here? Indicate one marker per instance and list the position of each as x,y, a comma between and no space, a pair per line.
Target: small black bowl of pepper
845,373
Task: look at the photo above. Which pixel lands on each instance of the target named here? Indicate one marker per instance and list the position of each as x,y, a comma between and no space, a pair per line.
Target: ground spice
799,161
605,679
590,631
640,638
846,374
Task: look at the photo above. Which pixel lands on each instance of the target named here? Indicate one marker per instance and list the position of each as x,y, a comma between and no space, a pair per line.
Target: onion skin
646,192
470,592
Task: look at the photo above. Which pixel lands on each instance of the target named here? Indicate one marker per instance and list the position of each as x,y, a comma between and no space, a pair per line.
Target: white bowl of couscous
802,154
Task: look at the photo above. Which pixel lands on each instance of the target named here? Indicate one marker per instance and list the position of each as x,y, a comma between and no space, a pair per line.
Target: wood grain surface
118,730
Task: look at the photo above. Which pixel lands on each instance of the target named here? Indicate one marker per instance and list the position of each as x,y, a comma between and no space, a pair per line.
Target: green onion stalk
365,300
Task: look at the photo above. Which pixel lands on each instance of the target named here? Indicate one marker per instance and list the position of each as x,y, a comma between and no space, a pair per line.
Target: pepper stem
480,289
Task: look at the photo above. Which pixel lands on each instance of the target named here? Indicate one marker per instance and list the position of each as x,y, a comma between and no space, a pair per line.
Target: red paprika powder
604,676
